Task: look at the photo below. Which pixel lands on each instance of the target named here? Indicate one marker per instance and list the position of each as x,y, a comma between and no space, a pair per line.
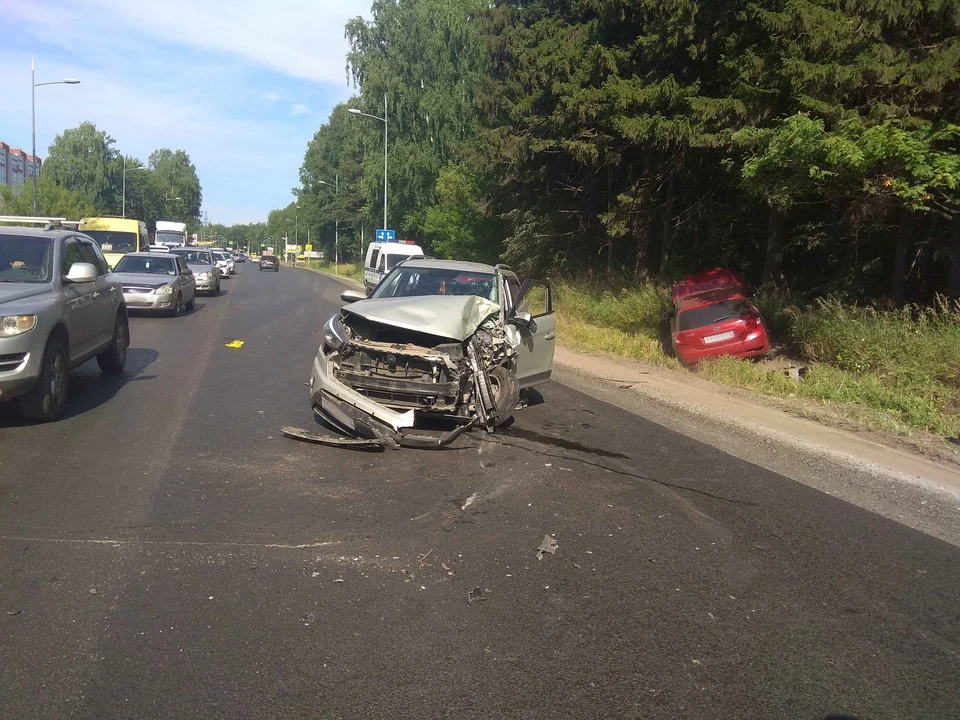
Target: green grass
354,271
899,370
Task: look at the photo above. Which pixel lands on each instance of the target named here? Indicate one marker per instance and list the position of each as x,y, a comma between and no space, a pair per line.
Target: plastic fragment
549,545
235,344
474,596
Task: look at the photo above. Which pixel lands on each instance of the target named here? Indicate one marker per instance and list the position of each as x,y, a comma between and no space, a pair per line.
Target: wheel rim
58,381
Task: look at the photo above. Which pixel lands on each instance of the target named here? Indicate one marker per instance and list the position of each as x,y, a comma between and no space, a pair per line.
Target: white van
383,256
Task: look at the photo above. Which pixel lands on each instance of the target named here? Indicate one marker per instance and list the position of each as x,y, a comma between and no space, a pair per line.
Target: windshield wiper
725,317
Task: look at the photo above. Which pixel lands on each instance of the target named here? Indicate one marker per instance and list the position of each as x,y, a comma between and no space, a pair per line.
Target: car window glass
374,256
87,255
513,285
25,259
101,260
712,314
71,255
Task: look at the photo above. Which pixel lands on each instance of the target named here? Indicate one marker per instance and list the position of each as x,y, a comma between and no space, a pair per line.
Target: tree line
812,145
83,176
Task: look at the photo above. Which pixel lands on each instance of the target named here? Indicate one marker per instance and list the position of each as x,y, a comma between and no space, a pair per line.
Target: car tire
506,392
216,288
259,268
277,268
48,398
114,357
193,301
175,310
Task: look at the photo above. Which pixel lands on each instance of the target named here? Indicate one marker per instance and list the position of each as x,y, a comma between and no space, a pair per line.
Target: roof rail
31,220
502,266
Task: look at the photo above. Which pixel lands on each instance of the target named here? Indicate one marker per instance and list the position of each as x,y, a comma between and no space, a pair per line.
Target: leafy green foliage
52,200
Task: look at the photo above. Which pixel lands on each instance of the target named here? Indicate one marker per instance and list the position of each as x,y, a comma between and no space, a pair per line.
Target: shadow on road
90,388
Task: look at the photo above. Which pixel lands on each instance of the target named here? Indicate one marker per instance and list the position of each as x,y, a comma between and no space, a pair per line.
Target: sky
240,85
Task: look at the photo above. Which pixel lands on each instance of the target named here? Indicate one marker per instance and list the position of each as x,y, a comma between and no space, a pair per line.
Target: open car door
532,315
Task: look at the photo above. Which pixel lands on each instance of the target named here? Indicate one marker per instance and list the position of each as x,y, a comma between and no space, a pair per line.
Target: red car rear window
712,314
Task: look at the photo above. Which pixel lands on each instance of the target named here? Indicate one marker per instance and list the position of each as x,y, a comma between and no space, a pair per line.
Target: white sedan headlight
11,325
164,290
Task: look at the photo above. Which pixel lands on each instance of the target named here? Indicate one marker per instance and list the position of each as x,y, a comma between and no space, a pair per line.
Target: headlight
334,333
11,325
203,276
165,290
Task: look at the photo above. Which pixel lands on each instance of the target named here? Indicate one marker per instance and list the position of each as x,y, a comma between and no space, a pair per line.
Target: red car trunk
706,326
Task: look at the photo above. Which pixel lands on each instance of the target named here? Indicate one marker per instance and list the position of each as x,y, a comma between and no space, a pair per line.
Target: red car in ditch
712,316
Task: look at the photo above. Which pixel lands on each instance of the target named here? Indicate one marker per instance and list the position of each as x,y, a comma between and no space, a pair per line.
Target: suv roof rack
502,266
49,223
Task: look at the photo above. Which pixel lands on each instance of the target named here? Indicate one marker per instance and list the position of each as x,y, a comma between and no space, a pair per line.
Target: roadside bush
636,310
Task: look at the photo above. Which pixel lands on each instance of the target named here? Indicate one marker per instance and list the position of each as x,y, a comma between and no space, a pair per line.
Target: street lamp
384,121
33,103
123,210
336,224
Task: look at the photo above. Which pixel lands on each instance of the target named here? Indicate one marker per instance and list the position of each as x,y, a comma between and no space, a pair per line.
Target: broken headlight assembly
334,334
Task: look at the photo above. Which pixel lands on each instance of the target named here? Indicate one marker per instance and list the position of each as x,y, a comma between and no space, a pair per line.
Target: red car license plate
710,339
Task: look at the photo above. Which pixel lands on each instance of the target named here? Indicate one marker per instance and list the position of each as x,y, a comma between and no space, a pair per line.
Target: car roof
708,297
148,254
449,265
712,279
35,232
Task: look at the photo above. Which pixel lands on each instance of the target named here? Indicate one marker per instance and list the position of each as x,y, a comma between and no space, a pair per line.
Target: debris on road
14,612
427,554
339,580
549,545
235,344
309,618
469,501
474,596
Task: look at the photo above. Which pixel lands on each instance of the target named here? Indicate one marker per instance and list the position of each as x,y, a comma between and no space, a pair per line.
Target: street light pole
123,202
336,225
384,121
33,113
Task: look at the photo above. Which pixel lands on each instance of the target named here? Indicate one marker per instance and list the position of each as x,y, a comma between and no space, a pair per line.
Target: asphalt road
166,553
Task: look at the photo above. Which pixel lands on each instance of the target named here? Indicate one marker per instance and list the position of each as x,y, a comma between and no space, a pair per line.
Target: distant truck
171,234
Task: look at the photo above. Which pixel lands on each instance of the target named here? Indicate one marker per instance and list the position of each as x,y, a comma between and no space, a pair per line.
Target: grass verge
896,370
348,270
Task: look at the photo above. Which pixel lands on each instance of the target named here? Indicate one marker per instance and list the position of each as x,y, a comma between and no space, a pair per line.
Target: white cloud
270,98
299,38
299,109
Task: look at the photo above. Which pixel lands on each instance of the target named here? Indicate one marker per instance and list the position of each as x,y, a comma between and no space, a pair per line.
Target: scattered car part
548,545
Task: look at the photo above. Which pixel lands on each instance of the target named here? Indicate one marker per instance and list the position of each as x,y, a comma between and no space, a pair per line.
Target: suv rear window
712,314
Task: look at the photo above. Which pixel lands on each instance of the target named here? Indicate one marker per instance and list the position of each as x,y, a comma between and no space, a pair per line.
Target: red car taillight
678,339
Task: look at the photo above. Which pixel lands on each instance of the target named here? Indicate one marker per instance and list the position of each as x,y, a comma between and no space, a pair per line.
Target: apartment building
17,166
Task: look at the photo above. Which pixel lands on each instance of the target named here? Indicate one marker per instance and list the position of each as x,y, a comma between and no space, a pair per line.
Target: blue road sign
386,235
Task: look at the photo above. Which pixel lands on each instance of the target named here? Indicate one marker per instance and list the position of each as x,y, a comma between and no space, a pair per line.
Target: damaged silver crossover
435,339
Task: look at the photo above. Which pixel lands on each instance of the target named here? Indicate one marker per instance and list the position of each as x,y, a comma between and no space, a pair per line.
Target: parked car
437,338
712,316
204,267
270,262
60,305
225,262
239,258
152,281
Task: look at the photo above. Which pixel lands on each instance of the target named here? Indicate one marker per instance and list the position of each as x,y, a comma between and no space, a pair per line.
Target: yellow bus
116,236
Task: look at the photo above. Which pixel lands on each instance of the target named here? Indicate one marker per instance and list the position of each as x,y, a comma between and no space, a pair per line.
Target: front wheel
48,399
177,306
216,288
506,392
193,302
114,357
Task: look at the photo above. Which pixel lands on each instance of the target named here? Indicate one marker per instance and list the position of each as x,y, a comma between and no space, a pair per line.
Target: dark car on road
269,262
712,317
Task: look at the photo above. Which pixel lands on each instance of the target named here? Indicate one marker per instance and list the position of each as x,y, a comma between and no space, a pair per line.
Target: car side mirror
523,319
82,272
188,271
667,316
349,296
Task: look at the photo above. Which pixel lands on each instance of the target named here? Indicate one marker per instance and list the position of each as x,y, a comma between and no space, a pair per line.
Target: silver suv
59,306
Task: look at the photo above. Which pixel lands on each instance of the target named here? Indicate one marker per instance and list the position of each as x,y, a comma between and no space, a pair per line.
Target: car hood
148,279
450,316
9,292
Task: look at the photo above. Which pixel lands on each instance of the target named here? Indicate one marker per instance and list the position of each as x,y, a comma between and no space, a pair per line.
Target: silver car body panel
448,316
322,381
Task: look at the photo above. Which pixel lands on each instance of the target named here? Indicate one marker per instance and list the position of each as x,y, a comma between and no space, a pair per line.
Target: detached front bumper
346,407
